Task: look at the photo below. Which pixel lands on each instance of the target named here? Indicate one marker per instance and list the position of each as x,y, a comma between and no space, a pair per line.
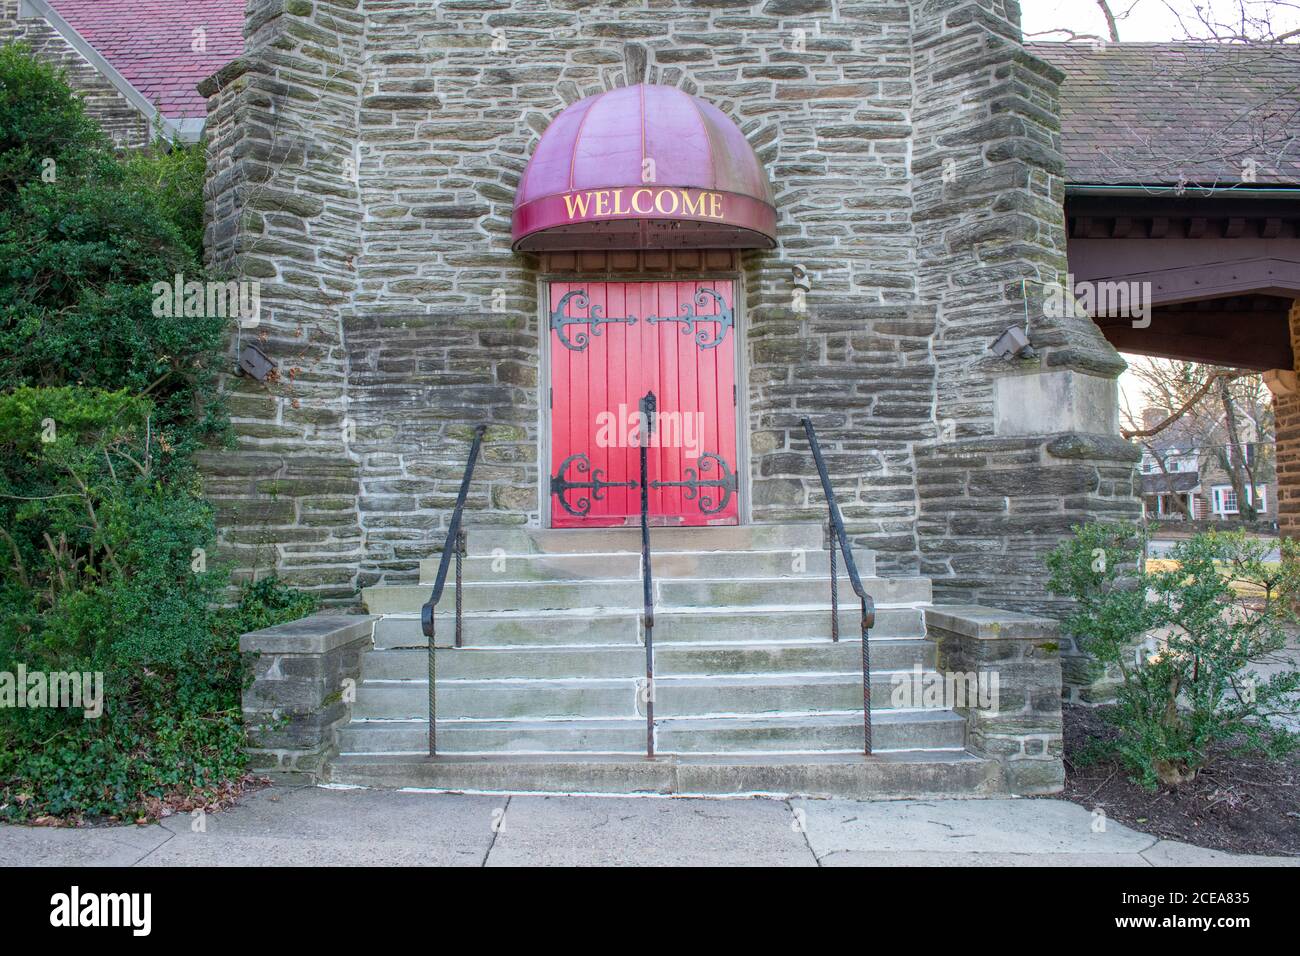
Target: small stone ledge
989,623
298,693
317,634
1093,447
1020,655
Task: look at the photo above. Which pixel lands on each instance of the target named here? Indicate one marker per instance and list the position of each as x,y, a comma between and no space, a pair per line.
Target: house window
1225,499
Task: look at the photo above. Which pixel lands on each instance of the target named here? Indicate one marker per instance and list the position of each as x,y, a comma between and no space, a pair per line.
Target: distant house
137,63
1184,475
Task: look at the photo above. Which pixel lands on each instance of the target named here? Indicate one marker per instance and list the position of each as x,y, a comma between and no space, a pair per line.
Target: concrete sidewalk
326,827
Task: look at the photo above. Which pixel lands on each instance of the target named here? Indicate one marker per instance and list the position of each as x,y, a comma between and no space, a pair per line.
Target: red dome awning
643,167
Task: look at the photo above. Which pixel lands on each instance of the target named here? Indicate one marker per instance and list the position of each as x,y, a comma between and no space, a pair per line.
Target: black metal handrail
455,543
868,605
648,407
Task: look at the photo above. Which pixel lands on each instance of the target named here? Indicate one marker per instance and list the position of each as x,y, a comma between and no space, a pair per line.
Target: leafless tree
1226,414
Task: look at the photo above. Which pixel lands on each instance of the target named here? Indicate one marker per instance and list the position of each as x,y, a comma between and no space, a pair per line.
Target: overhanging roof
1170,113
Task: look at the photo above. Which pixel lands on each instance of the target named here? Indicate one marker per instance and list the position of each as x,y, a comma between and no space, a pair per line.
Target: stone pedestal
300,691
1022,728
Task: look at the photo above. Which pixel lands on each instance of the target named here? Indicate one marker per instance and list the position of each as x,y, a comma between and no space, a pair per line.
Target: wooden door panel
610,344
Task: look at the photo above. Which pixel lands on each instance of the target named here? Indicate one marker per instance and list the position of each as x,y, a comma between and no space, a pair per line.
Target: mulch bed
1240,804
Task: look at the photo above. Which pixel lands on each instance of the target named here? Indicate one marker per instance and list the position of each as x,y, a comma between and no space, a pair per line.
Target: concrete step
912,774
674,696
540,663
623,735
758,537
485,628
551,663
532,596
811,589
627,594
890,730
776,693
498,700
800,657
709,625
716,625
666,564
938,730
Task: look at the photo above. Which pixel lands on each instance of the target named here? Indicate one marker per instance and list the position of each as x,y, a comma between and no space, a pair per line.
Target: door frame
739,329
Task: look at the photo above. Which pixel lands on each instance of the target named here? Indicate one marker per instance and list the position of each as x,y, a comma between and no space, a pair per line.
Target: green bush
104,536
173,174
1184,639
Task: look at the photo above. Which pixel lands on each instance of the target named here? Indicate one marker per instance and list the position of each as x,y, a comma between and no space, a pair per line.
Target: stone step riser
487,631
483,541
618,698
614,662
670,593
680,736
745,626
686,564
850,778
794,737
625,628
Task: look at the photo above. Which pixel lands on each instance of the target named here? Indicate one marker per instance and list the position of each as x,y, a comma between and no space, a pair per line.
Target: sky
1148,19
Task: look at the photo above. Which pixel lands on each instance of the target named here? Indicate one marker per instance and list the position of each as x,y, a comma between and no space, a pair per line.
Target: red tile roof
151,43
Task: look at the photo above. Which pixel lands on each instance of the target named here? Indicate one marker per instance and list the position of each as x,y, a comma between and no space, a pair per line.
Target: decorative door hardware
561,485
580,340
726,483
690,318
692,485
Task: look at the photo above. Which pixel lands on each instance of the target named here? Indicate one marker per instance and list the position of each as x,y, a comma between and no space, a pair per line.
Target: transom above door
610,344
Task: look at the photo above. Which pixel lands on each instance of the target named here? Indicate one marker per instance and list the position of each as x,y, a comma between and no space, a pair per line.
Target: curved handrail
850,565
453,543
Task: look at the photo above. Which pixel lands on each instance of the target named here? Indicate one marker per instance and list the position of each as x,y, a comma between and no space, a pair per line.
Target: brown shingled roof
1164,113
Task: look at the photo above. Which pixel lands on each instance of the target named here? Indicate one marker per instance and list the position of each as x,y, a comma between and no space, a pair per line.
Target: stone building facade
365,156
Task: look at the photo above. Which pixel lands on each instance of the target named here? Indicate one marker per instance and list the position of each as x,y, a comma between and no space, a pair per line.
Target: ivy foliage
1187,640
106,543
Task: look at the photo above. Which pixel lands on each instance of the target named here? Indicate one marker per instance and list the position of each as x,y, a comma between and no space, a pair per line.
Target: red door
611,343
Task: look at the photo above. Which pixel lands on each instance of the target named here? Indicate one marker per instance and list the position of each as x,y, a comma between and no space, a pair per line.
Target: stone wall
1008,473
283,209
126,125
1286,416
366,159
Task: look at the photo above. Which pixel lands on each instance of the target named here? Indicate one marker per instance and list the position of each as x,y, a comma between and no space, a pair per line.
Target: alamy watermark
69,690
130,910
623,429
949,690
1110,299
198,300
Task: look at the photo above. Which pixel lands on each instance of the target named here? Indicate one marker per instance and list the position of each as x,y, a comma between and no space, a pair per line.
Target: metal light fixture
1013,344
